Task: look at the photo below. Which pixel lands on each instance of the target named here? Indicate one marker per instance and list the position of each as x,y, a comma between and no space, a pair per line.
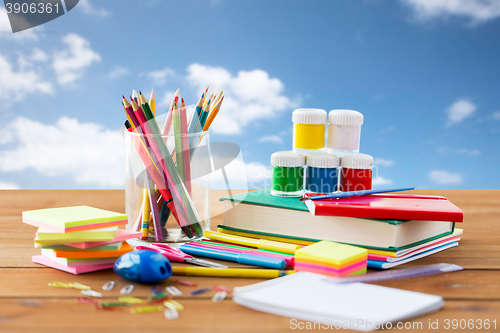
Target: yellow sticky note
330,253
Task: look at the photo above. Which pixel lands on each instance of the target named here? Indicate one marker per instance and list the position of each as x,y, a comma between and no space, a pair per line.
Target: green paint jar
288,174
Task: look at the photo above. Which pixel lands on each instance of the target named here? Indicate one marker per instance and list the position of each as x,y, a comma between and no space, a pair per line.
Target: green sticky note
71,219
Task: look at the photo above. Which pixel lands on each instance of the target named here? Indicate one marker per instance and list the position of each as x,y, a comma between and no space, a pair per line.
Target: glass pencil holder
167,189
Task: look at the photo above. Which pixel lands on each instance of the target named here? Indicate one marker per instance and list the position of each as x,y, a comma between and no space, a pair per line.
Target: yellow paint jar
308,130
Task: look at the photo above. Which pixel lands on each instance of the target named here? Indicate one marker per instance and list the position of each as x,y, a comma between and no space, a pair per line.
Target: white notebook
359,306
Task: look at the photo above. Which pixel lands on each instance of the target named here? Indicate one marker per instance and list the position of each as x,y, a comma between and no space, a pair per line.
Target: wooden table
29,304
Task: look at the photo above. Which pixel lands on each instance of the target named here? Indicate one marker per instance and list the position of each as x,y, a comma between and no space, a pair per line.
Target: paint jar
344,131
322,173
356,172
288,174
309,130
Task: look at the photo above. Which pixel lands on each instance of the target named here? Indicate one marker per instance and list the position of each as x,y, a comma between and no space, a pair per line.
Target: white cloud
477,11
496,115
379,181
257,171
117,72
238,180
71,63
89,9
18,84
8,186
166,100
271,138
6,29
160,77
383,162
459,110
387,129
461,151
85,152
445,177
38,55
250,96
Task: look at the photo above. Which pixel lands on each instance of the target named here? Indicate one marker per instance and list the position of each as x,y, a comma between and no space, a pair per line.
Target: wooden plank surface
28,304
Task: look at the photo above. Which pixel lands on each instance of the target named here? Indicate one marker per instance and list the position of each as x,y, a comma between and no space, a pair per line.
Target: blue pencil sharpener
143,266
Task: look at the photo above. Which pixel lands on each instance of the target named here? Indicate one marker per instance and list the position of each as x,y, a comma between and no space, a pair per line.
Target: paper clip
221,288
80,286
86,300
108,285
219,297
107,308
186,283
127,289
199,291
174,291
156,290
112,304
160,295
171,314
59,285
92,293
173,305
145,309
131,300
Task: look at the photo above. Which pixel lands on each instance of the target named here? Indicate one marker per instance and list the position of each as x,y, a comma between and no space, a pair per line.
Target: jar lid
345,117
322,160
309,116
358,161
287,159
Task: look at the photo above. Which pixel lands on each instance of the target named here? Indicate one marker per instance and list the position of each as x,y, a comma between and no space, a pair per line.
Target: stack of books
79,239
395,229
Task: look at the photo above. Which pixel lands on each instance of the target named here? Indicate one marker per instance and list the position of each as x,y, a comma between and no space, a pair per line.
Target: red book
389,207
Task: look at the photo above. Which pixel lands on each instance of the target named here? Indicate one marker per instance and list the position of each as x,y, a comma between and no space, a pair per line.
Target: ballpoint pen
174,254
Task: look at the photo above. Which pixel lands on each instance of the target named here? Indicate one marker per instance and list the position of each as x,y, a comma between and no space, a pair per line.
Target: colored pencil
146,211
135,96
212,115
217,100
178,140
175,182
155,214
168,122
195,118
152,102
185,146
231,272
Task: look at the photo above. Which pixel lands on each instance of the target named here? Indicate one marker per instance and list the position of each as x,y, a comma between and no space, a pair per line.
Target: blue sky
425,74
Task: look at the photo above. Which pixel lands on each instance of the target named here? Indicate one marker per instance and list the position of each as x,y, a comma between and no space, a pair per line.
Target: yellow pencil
212,115
146,212
152,102
231,272
217,99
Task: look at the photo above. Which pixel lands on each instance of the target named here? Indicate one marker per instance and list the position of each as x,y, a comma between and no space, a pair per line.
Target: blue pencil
355,193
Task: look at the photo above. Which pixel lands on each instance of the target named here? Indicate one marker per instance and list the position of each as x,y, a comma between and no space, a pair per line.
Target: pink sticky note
41,259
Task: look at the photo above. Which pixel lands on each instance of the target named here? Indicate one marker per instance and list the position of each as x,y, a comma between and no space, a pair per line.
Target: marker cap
309,116
287,159
320,160
345,117
358,161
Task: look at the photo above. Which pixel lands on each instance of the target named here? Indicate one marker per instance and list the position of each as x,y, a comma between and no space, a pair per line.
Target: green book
260,213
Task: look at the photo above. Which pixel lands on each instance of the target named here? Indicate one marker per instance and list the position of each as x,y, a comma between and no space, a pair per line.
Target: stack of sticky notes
330,258
79,239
